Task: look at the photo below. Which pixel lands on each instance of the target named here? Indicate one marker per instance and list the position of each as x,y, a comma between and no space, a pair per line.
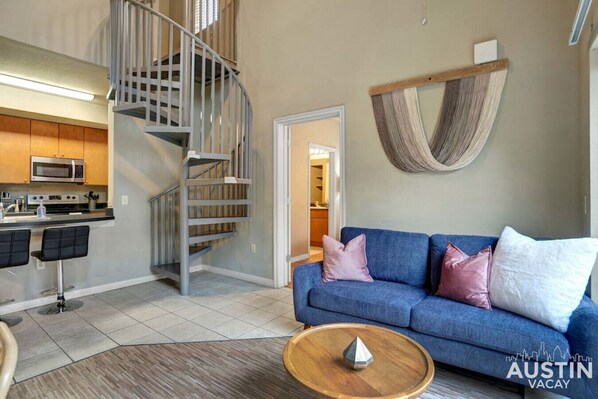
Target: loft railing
184,83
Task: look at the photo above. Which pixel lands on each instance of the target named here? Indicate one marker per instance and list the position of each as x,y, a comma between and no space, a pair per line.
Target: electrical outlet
39,264
125,200
253,248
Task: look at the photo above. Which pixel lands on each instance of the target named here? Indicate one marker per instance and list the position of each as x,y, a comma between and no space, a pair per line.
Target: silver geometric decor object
357,355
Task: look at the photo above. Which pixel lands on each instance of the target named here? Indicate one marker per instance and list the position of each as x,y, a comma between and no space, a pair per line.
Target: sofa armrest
583,330
305,277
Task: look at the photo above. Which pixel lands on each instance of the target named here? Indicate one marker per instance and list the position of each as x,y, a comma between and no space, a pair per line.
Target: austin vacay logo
548,370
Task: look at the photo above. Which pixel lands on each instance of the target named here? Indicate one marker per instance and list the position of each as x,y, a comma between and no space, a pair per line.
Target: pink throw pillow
466,278
345,262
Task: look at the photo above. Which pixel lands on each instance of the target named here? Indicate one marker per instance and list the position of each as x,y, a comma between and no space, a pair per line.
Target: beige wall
326,133
78,28
527,176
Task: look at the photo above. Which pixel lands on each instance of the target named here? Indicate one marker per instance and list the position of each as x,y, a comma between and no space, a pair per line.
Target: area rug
221,369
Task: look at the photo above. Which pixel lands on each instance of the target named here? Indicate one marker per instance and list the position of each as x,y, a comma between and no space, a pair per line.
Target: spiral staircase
189,96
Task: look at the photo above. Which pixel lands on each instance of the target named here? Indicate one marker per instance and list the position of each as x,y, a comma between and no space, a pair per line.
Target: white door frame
332,179
281,127
593,158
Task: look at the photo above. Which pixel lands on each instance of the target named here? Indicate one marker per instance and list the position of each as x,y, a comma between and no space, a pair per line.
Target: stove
58,203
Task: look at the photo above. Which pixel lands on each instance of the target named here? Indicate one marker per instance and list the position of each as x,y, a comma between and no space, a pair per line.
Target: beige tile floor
219,308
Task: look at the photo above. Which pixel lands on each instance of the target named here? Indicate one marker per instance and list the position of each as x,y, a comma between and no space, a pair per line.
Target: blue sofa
406,270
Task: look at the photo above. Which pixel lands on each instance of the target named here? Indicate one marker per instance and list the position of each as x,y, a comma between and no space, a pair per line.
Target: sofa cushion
345,262
381,301
542,280
466,278
498,329
393,255
471,245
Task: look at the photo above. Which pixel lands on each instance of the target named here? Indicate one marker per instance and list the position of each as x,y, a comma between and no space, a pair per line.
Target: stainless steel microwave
57,170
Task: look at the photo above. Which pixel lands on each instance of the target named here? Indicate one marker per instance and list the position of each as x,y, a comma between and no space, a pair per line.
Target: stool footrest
61,307
11,321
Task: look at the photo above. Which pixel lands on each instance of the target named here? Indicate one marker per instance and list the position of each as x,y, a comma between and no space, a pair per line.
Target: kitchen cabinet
44,139
318,225
56,140
71,141
15,146
21,138
95,155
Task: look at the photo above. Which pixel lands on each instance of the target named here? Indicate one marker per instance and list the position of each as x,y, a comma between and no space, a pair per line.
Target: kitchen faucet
5,211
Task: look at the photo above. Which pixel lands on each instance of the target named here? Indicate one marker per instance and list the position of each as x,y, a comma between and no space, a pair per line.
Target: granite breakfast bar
20,221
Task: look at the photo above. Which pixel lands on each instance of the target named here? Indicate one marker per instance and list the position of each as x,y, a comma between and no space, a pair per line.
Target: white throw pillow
541,280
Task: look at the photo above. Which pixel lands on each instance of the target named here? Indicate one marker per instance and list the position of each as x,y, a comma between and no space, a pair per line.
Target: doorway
308,187
313,186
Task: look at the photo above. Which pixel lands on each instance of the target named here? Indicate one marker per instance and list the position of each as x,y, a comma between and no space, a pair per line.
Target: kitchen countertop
55,219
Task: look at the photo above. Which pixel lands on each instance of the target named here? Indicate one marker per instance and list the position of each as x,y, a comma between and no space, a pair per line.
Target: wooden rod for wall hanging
441,77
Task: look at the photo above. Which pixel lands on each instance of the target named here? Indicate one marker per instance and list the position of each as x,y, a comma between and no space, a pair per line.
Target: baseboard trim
34,303
268,282
196,268
37,302
300,258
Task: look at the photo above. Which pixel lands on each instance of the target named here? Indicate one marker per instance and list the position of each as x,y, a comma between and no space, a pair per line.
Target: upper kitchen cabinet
96,157
56,140
15,143
44,139
70,141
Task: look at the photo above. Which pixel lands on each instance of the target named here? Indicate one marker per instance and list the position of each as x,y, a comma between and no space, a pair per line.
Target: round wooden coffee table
401,368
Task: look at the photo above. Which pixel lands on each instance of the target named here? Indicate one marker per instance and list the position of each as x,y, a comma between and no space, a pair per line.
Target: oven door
57,170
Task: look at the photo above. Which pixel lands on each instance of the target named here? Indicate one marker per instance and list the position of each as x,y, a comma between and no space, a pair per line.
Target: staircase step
173,270
164,83
175,103
197,251
138,110
219,202
170,270
204,221
211,236
176,69
194,158
173,134
198,65
217,181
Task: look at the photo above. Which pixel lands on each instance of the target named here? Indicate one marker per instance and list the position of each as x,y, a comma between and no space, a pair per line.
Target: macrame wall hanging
469,106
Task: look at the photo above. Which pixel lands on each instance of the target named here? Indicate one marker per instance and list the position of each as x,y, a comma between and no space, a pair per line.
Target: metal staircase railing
189,96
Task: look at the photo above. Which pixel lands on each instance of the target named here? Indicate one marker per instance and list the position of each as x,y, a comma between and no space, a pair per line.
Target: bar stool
14,251
60,244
